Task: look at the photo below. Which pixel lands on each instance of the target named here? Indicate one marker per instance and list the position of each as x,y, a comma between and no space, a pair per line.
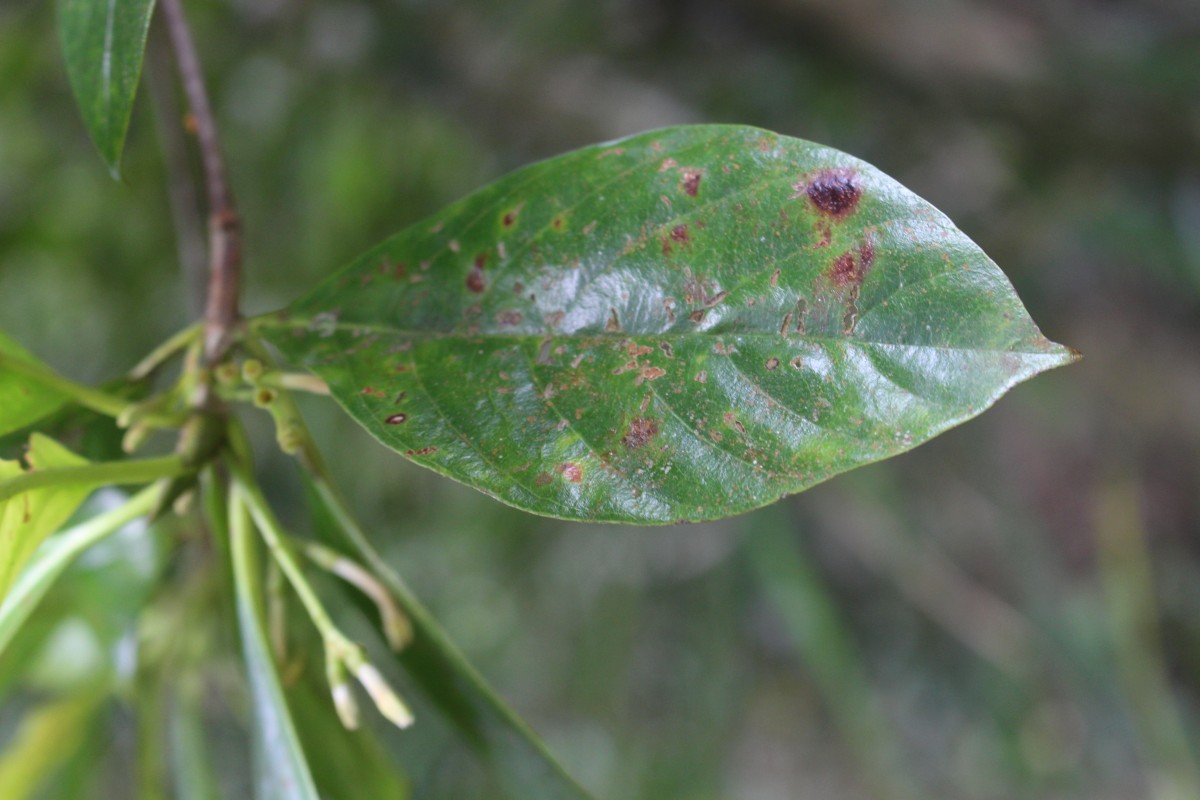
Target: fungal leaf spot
835,192
641,431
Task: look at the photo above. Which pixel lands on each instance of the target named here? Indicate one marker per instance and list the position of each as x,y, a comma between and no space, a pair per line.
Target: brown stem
224,224
181,188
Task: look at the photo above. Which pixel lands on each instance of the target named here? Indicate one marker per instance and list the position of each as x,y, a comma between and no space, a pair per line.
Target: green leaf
682,325
49,563
282,768
48,737
103,42
29,517
23,401
520,761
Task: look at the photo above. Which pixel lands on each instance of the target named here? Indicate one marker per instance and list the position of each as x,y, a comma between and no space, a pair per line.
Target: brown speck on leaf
835,192
667,349
577,360
691,181
543,479
641,431
475,280
400,398
698,315
400,368
614,324
787,320
849,269
509,317
667,163
772,363
702,376
424,451
371,391
396,419
732,421
543,356
797,362
454,246
557,223
649,373
680,234
774,280
571,471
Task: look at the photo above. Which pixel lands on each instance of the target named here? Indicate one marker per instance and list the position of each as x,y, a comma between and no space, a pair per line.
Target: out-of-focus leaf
103,43
282,768
344,763
57,554
22,400
48,736
521,762
682,325
29,517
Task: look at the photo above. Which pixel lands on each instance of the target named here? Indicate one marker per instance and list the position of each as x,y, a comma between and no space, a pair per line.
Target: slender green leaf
103,43
682,325
282,768
521,762
23,401
29,517
56,555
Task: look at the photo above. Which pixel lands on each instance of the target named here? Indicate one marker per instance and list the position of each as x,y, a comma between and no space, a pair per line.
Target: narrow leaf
282,768
29,517
103,43
521,762
682,325
49,563
23,401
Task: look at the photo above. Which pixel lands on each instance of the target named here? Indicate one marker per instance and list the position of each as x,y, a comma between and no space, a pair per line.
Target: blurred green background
1010,611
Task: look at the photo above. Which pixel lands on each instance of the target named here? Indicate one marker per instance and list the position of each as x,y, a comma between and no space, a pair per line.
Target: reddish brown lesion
851,267
835,192
641,431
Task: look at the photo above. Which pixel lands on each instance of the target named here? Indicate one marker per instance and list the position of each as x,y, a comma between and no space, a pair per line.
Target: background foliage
1008,611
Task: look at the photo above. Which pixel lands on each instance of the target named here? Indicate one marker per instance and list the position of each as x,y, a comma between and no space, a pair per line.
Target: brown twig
224,224
181,188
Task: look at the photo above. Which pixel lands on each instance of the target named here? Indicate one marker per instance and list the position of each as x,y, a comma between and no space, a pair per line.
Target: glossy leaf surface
23,401
682,325
103,43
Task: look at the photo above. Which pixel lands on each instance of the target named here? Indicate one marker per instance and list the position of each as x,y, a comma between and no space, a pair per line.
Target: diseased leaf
681,325
22,401
103,43
29,517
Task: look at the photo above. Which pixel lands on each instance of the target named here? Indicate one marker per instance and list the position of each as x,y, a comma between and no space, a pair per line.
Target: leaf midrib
273,321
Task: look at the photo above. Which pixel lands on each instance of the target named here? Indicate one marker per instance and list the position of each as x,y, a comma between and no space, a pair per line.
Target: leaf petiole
339,649
106,473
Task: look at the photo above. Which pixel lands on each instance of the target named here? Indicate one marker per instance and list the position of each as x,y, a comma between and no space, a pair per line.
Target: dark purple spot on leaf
640,432
835,192
680,234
